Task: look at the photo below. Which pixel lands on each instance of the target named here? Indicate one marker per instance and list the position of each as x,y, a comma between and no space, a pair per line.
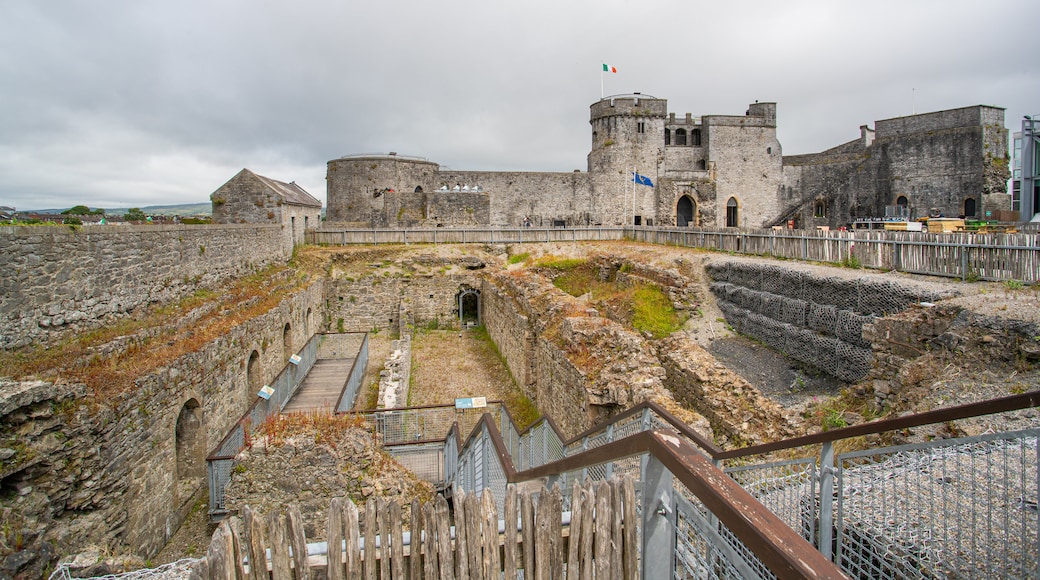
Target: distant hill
182,210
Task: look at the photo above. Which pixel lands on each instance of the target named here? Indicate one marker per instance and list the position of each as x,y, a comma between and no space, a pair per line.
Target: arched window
695,137
732,213
969,207
595,135
686,212
667,136
680,136
308,324
418,189
902,201
287,345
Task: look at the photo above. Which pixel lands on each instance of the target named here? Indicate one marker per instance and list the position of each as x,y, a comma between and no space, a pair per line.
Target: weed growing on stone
152,338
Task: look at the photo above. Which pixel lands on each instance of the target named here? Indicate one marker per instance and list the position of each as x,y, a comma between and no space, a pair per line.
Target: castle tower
627,137
378,190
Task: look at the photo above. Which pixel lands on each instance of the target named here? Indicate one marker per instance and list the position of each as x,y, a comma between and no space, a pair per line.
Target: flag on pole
641,179
609,69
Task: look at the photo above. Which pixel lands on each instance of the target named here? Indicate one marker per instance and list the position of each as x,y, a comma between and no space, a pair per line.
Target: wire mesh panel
705,548
958,508
425,460
787,488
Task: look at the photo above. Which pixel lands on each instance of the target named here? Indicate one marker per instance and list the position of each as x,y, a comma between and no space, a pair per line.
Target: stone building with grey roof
255,199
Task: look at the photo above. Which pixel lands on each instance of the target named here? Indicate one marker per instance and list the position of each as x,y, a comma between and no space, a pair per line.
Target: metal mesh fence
705,548
787,488
425,460
959,508
411,424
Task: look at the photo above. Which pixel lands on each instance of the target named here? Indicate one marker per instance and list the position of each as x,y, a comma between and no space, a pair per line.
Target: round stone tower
372,190
627,138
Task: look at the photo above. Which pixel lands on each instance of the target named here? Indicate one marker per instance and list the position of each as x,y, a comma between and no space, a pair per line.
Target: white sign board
471,403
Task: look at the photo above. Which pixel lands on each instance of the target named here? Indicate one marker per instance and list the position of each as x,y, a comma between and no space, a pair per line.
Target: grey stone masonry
58,278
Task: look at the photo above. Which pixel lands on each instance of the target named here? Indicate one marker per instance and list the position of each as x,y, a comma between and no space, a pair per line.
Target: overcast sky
122,103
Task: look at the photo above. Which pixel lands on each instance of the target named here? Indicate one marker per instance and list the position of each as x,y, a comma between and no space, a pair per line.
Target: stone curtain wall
106,474
818,321
374,302
57,278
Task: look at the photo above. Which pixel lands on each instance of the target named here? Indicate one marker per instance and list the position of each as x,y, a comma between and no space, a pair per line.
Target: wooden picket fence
601,540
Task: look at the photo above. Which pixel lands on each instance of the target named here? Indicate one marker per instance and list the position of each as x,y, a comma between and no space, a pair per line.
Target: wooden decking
320,390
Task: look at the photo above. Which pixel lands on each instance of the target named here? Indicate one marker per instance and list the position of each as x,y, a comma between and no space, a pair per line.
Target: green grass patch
517,258
653,312
561,263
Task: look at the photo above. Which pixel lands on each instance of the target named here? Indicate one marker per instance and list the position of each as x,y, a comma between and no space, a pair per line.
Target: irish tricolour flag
609,69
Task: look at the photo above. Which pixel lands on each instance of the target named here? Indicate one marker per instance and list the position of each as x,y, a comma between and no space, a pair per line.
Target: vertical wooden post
396,540
509,544
221,554
353,536
527,530
476,565
415,546
573,553
556,531
461,536
281,569
603,530
370,539
299,542
489,534
384,538
430,546
631,527
616,539
254,544
447,566
334,539
588,502
543,527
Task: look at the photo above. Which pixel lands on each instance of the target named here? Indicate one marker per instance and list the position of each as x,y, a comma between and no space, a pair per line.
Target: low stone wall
374,302
58,278
578,367
949,332
123,472
813,319
738,412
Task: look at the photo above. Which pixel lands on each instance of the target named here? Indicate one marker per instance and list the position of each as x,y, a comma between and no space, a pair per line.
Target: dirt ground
449,364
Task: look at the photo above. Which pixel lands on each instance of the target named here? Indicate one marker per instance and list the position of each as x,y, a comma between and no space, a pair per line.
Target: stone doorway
685,211
470,312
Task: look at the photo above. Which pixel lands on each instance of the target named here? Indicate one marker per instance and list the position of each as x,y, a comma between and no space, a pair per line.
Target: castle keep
648,166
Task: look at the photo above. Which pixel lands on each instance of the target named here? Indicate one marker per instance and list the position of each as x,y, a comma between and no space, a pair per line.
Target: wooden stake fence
600,542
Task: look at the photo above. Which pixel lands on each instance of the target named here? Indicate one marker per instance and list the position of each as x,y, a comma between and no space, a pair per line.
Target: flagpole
601,94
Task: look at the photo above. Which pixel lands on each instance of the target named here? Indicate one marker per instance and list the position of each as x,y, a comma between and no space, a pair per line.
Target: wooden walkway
321,388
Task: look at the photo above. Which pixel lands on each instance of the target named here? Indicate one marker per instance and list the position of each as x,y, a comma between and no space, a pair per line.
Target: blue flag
641,179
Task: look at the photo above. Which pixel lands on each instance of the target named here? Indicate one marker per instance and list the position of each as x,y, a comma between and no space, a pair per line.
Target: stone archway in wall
470,309
685,212
969,207
287,342
254,378
190,449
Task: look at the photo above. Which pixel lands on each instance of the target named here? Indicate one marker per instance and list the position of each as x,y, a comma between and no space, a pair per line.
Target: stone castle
649,167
